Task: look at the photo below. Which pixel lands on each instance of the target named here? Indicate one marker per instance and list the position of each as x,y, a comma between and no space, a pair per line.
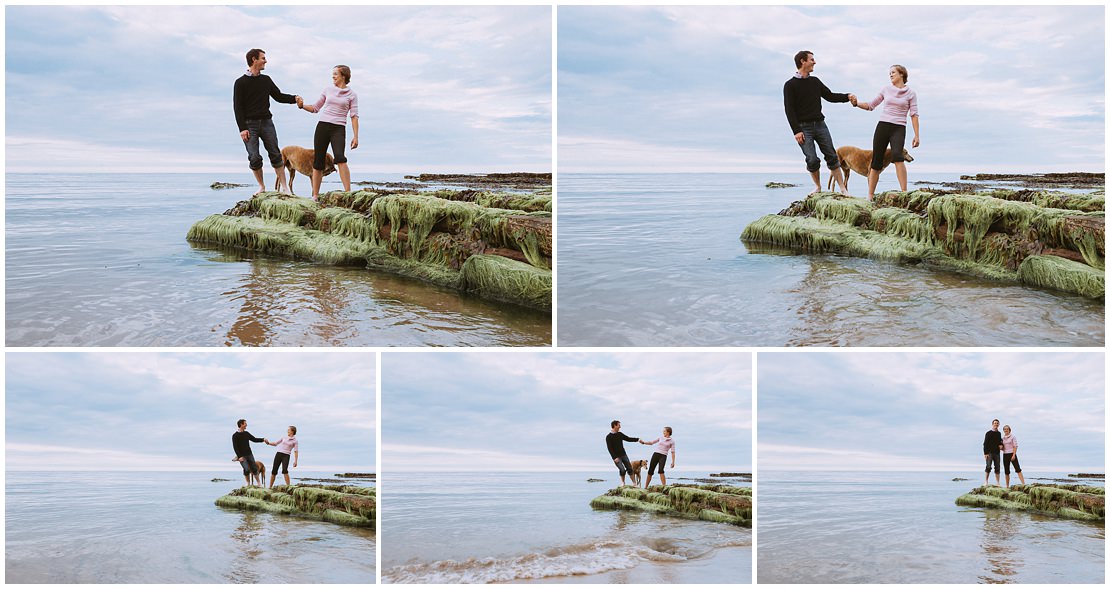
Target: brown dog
634,474
299,159
854,159
255,477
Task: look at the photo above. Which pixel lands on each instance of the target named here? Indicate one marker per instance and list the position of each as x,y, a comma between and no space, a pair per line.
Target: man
992,446
614,441
802,96
253,91
240,442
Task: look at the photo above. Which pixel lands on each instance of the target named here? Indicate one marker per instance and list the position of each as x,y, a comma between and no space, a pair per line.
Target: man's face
260,61
994,425
617,427
807,65
243,427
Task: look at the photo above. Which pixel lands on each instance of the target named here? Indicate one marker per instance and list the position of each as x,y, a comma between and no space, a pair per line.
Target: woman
1009,454
334,104
900,101
281,458
659,458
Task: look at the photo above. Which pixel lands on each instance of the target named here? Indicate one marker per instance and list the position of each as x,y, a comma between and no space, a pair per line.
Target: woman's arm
354,127
296,457
917,142
672,457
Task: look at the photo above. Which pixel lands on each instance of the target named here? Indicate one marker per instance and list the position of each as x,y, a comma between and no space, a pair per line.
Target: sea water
164,527
484,527
101,260
656,260
905,527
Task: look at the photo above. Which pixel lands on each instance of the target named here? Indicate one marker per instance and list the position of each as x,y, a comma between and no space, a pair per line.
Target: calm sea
656,260
539,527
164,527
905,527
101,260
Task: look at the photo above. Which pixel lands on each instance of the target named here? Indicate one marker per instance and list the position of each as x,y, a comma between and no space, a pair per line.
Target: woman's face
1006,430
289,432
336,77
895,76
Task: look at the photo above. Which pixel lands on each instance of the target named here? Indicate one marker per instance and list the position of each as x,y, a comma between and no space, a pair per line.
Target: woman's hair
293,429
667,429
345,72
902,70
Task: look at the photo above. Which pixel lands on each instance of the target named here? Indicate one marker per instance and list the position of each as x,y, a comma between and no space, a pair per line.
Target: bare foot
259,191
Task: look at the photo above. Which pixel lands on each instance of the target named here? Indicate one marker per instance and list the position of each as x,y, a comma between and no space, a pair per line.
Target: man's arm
831,96
237,105
628,439
278,96
791,115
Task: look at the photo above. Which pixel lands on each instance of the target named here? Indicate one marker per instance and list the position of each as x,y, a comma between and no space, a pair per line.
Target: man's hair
902,70
253,55
345,72
801,56
240,423
993,421
294,429
615,422
668,428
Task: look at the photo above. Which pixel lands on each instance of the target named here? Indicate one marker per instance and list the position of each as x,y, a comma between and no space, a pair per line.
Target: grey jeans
265,130
817,132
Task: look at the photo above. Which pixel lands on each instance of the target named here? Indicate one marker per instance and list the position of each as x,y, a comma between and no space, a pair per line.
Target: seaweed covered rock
716,503
339,504
1042,239
494,245
1069,501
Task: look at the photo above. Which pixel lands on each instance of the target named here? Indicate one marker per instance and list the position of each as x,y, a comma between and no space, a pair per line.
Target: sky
699,89
149,88
929,411
172,411
530,411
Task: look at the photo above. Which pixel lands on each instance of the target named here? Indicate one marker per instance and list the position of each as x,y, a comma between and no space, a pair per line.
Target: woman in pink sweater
898,101
663,445
335,103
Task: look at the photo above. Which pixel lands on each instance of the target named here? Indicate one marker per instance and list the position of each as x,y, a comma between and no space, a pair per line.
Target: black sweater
802,97
615,442
241,442
252,98
992,441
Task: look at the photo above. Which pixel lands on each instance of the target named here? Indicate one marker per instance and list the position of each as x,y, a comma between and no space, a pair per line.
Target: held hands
852,98
300,102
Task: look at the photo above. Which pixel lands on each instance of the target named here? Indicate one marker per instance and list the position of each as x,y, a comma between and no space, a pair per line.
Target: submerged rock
219,480
343,505
780,185
1069,501
716,503
959,479
1039,239
357,475
223,185
497,246
595,480
1088,475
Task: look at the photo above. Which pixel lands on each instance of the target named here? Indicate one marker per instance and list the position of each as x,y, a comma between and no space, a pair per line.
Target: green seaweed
340,505
506,280
1067,501
715,503
1061,274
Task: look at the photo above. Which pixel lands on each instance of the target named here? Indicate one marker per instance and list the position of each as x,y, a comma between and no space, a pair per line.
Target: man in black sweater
241,443
992,447
251,99
614,441
802,96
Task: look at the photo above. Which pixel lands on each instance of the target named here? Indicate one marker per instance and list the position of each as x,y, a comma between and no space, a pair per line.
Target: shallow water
517,527
101,260
905,527
164,527
656,260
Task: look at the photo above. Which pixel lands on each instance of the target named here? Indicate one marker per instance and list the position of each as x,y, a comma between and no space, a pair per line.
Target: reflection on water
999,529
656,260
92,261
244,565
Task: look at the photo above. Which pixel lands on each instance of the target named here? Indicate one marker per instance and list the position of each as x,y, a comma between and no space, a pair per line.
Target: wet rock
780,185
1062,180
514,180
1038,239
493,245
1088,475
218,480
716,503
223,185
595,480
959,479
1080,502
343,505
357,475
742,475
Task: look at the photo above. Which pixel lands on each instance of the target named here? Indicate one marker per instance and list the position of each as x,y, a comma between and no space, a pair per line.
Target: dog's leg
292,174
847,174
